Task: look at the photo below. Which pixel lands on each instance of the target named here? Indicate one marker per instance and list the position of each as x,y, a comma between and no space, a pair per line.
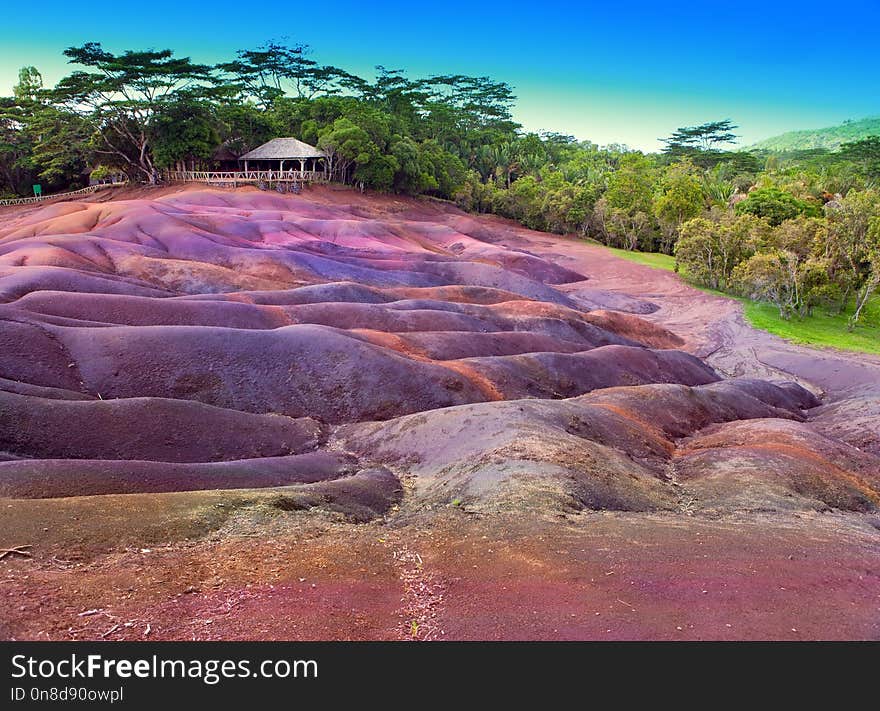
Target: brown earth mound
255,373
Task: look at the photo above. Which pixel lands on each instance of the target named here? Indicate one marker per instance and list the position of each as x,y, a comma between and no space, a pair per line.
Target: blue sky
625,73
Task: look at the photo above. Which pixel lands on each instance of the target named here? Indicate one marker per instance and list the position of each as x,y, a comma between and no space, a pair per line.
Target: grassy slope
821,329
817,330
650,259
830,137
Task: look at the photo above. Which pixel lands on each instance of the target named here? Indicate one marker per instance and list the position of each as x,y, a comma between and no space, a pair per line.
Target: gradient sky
627,73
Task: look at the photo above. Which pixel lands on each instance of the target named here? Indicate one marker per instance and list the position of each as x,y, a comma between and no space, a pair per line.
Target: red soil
205,394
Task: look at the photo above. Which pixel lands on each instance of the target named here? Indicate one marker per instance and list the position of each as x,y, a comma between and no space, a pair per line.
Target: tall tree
706,137
852,246
39,142
626,206
17,168
121,96
274,70
679,198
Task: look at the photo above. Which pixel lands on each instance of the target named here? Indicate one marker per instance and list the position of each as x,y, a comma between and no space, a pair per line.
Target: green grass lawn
820,329
649,259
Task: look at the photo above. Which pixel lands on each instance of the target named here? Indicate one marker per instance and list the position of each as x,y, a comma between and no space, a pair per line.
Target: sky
628,73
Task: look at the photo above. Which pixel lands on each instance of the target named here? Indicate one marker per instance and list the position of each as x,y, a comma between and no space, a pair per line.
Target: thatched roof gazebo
274,154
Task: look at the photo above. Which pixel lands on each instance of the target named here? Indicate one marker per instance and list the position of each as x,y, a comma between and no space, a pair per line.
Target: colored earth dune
367,389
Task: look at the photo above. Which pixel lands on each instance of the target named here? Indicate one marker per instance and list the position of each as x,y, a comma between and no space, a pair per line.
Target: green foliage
679,198
242,127
801,263
864,153
784,278
274,70
710,249
828,138
40,142
121,97
853,247
184,130
347,146
425,167
703,138
626,209
776,205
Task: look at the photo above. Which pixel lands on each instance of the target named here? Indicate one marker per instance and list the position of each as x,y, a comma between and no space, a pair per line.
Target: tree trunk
861,300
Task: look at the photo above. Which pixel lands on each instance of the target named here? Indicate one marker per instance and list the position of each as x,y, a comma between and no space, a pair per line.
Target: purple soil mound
52,478
594,299
555,375
610,449
145,428
219,339
776,465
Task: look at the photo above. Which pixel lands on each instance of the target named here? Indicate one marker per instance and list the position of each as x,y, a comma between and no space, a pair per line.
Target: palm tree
506,160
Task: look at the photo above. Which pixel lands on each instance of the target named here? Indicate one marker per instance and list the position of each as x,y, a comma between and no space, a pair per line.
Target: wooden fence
81,191
262,178
259,177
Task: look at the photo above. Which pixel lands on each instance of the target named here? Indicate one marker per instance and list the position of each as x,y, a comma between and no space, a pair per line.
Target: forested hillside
829,138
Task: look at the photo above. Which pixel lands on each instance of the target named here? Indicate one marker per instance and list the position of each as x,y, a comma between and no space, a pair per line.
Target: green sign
38,190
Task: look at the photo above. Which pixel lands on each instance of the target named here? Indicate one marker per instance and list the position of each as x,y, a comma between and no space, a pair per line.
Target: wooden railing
250,176
81,191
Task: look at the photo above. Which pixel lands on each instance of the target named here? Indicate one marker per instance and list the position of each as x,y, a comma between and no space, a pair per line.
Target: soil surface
241,415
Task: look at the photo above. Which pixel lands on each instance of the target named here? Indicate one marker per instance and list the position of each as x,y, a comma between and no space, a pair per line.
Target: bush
776,205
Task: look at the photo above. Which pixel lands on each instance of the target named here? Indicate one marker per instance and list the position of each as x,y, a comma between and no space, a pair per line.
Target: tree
706,137
414,175
627,204
447,169
802,236
851,247
679,198
776,205
347,146
274,70
479,101
121,97
62,146
18,115
708,250
872,278
788,268
473,194
865,153
505,158
29,87
39,142
242,127
184,130
782,278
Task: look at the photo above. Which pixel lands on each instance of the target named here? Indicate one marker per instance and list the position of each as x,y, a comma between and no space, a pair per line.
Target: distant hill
829,138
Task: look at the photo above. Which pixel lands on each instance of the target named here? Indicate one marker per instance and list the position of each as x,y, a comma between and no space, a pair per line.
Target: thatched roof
282,149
